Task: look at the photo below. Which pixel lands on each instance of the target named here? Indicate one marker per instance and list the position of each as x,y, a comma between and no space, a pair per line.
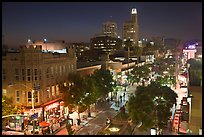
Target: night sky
78,22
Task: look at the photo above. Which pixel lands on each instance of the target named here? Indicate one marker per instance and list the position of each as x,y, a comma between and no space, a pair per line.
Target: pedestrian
7,126
22,126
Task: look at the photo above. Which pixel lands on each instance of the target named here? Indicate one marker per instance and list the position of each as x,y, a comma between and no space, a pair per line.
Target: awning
52,101
44,124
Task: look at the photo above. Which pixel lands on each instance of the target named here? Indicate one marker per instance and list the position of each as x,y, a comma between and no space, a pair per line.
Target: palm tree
128,45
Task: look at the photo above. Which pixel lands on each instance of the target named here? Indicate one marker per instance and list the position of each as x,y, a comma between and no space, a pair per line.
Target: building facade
131,28
106,43
31,68
110,29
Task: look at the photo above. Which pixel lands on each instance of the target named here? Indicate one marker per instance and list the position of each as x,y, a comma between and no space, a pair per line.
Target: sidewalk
63,126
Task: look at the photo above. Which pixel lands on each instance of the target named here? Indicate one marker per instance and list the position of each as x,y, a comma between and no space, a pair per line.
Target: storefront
54,114
29,112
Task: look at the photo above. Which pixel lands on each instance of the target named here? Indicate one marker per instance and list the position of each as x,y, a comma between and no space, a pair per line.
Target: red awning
44,124
52,101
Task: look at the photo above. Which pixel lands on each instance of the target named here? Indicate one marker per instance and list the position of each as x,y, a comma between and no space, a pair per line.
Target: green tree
104,81
128,46
91,93
73,93
166,80
7,106
151,106
140,72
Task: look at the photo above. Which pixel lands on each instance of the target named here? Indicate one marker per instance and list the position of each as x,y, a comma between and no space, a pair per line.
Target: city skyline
78,22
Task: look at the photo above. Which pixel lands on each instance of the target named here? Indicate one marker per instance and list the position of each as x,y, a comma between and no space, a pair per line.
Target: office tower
131,28
110,29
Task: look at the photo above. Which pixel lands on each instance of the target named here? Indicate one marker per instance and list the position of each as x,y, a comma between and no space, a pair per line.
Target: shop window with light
36,74
17,96
29,97
16,74
28,74
3,74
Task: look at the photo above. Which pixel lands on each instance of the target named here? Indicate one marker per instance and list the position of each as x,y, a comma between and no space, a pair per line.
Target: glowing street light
114,129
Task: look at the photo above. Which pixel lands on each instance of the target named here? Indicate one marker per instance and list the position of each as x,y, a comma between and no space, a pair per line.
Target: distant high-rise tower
131,28
110,29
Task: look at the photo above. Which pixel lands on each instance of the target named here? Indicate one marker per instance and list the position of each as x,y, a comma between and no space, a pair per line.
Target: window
64,68
35,74
28,74
72,67
48,92
16,71
36,95
57,90
39,74
17,96
56,70
52,71
53,91
22,71
29,97
47,73
4,92
3,74
60,70
16,74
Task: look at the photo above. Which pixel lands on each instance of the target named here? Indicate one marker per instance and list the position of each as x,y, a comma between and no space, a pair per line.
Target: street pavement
95,125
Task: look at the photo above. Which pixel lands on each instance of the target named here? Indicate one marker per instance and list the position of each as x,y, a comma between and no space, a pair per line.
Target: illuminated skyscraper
131,28
110,29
